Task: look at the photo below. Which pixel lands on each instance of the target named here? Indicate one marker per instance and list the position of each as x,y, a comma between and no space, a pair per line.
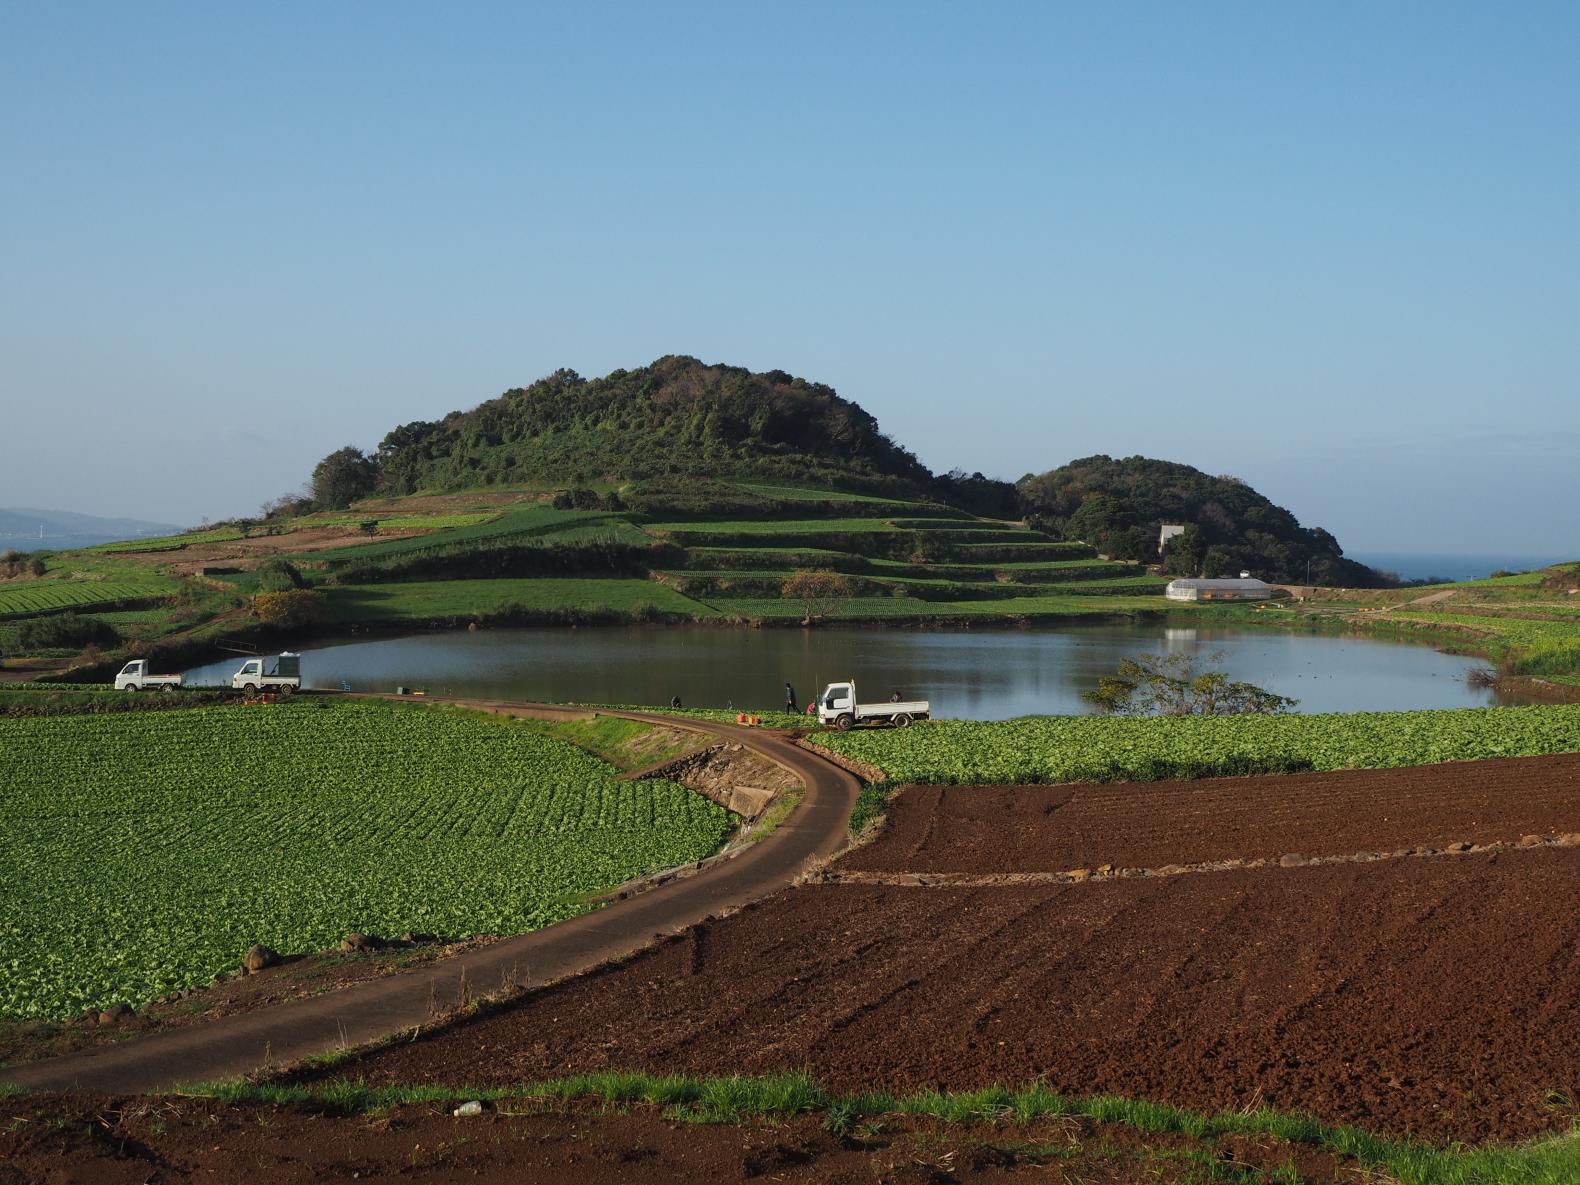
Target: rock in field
258,957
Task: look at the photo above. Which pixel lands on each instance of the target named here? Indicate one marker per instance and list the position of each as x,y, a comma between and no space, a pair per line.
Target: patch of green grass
617,740
871,805
1554,1161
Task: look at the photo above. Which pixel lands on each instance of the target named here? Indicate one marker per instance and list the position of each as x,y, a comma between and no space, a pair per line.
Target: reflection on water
970,674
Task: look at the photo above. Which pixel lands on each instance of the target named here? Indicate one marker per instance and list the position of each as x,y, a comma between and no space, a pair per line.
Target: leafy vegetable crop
41,596
1081,748
144,852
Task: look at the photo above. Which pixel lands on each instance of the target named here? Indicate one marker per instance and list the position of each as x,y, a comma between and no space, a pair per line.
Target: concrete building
1168,531
1246,588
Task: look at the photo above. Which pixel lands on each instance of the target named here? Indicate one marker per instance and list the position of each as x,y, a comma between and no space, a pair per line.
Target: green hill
676,416
1118,506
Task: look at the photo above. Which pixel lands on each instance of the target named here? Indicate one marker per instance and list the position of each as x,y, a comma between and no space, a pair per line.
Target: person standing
790,699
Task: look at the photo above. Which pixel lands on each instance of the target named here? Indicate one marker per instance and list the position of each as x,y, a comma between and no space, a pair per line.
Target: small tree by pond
1170,685
818,589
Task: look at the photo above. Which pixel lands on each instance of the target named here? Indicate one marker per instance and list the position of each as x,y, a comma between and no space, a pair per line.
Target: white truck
837,706
135,676
269,672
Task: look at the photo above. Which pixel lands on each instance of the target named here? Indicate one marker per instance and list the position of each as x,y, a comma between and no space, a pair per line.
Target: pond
968,674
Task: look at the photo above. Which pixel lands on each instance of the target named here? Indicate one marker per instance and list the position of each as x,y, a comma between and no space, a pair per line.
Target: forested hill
1117,506
676,416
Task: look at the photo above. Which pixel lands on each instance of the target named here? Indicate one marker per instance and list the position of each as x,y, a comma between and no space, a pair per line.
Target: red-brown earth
1054,828
89,1141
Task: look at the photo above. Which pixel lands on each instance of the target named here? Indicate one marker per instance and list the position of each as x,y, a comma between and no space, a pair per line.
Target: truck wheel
845,722
902,721
249,689
130,687
167,688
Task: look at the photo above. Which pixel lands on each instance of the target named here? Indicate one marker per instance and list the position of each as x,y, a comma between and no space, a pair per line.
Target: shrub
65,631
278,575
581,499
294,607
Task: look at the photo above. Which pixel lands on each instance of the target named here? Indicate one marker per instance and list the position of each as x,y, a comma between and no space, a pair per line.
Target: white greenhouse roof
1239,584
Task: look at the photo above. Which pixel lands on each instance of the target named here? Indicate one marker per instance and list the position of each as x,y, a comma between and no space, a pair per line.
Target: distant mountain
1118,506
24,528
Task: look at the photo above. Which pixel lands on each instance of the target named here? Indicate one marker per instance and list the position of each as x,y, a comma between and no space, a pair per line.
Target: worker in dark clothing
674,701
896,697
790,699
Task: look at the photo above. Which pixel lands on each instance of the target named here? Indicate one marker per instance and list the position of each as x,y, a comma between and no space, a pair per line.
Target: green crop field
45,596
516,525
435,600
813,526
901,607
1081,748
144,852
172,542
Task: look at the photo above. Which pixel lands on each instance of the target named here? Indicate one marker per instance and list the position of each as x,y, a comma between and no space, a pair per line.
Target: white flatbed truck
135,676
269,672
837,706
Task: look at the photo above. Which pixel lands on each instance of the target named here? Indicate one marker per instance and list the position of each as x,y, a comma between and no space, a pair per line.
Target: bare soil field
109,1141
1431,996
989,829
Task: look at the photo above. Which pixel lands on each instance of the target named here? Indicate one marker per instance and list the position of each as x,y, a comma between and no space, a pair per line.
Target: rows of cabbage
145,852
45,596
1083,748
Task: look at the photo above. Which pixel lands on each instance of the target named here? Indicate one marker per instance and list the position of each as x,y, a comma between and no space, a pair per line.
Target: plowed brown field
108,1141
1430,995
1052,828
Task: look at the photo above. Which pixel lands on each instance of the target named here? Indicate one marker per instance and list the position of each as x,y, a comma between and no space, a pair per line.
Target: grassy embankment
1553,1161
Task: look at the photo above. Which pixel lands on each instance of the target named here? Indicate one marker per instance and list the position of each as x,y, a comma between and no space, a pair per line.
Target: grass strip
1550,1161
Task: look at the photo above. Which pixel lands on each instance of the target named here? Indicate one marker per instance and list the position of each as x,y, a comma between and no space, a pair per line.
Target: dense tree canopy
342,477
1118,506
677,416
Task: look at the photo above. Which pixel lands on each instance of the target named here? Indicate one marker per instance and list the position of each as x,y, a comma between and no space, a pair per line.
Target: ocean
1439,566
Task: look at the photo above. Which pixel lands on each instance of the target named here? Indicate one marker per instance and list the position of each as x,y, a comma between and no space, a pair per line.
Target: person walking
790,699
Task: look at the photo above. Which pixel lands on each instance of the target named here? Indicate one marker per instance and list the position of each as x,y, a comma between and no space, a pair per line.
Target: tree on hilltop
342,477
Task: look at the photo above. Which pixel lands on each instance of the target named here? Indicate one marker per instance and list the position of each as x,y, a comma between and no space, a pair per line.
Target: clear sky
1333,249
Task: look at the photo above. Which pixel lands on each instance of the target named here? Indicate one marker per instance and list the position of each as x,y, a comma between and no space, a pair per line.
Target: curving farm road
233,1046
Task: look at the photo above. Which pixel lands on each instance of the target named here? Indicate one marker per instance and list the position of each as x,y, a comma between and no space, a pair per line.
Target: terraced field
45,596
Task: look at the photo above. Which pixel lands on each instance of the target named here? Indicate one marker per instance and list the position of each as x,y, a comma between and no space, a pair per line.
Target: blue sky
1331,249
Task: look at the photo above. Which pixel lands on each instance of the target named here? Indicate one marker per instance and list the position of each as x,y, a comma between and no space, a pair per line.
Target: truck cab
839,707
837,698
135,676
282,672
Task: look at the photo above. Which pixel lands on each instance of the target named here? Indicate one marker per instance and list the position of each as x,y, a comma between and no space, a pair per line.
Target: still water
976,675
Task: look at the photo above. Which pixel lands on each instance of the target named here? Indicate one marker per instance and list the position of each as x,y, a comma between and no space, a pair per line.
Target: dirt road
238,1045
